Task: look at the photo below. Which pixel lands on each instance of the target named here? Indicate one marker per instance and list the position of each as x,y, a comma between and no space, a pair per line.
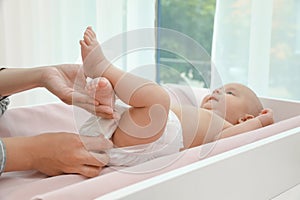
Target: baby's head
234,102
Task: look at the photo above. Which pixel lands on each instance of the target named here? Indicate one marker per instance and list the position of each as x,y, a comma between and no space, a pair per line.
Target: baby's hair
255,104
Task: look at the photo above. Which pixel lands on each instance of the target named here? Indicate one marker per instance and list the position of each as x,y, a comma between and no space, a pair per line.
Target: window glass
193,18
257,43
284,52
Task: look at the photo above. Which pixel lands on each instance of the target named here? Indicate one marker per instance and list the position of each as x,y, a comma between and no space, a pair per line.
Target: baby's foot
94,61
102,90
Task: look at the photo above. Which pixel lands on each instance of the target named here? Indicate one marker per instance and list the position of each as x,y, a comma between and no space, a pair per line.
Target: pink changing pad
60,117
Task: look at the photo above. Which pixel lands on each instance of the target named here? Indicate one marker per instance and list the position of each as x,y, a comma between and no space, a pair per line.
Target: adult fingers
102,159
103,110
98,110
89,171
82,99
94,159
105,116
96,144
85,170
92,164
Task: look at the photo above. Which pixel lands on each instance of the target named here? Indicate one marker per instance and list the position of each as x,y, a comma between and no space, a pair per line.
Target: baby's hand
266,117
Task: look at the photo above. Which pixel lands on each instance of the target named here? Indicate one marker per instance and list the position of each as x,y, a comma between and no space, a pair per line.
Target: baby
150,126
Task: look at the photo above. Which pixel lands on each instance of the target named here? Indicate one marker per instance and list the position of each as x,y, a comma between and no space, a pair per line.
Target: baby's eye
229,92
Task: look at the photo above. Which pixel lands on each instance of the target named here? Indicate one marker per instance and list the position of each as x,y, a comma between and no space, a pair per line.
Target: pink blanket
59,117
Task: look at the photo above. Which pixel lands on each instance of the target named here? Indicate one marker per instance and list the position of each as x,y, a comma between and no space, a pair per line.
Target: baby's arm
264,119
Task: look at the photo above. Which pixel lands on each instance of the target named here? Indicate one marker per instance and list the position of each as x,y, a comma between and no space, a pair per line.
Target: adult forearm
13,80
18,153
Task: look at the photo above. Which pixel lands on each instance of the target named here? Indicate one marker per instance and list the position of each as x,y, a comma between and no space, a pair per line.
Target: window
192,22
284,51
256,43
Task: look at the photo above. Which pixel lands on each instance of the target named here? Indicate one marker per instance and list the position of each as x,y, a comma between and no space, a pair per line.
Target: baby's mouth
212,98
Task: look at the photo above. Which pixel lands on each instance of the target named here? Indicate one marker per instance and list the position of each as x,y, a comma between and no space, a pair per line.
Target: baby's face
232,102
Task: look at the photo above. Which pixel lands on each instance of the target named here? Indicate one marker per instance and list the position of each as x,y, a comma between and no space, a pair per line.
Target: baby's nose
218,91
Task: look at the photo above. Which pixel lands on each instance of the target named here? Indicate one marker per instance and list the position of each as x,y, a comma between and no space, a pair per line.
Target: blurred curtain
257,43
37,33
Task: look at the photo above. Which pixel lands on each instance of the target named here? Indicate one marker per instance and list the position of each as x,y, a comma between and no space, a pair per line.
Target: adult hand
68,82
57,153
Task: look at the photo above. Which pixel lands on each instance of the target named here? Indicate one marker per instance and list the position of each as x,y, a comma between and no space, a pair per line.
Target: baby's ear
245,118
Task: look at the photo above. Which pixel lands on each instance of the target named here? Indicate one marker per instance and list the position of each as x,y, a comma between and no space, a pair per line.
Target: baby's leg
101,89
145,120
94,62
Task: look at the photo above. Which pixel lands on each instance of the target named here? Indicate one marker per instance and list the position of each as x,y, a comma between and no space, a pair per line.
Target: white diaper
95,126
170,142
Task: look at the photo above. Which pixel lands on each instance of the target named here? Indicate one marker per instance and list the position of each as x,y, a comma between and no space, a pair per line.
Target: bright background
253,42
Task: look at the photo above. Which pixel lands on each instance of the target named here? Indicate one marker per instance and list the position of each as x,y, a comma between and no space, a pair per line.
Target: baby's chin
206,105
209,105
